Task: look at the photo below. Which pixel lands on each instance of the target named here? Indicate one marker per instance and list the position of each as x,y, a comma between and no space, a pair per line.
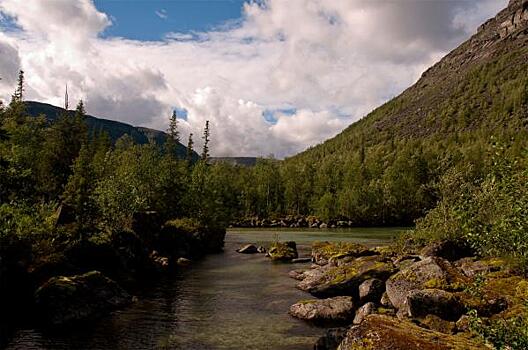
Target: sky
273,77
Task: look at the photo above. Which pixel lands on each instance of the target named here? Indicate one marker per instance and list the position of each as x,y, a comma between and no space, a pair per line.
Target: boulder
183,262
248,249
364,311
331,310
371,290
331,339
324,252
65,300
301,260
420,303
297,274
345,279
450,250
382,332
385,300
283,251
471,267
261,250
431,272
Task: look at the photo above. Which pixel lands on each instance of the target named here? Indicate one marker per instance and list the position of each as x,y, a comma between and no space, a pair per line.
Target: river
225,301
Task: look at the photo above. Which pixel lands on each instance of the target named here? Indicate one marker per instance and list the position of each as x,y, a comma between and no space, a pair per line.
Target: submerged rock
248,249
65,300
338,309
387,333
283,251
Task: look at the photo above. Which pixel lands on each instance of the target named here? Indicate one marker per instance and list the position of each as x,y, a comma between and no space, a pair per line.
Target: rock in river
283,251
248,249
63,300
338,309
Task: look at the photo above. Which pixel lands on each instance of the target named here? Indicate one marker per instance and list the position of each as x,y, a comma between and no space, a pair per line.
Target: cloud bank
328,61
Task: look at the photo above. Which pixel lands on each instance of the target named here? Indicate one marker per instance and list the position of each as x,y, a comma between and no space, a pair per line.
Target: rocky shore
383,299
294,221
94,276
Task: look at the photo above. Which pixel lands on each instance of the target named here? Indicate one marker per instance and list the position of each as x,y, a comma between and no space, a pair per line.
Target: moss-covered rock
331,310
283,251
380,332
429,273
346,278
438,324
66,300
420,303
450,250
325,252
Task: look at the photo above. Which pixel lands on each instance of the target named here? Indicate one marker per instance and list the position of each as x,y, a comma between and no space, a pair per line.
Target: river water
225,301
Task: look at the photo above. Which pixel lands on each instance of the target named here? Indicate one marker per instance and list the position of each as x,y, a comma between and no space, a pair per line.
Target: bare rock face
429,273
338,309
517,18
387,333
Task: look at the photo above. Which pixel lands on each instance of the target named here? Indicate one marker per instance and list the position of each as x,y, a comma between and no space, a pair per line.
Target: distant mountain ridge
113,128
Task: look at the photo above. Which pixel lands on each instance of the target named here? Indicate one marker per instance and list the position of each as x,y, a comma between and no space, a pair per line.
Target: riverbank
441,297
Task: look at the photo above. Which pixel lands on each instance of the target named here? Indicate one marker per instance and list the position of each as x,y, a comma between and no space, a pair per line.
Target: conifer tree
173,137
190,151
205,137
18,96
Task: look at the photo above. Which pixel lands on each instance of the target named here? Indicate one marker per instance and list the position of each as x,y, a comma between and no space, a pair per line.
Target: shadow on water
225,301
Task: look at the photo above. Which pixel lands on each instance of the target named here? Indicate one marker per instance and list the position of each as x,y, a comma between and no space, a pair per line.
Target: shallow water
225,301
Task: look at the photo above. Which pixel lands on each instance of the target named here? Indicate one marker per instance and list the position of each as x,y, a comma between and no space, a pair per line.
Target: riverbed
225,301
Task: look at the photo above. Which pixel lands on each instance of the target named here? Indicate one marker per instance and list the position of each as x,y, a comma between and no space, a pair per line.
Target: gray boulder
248,249
420,303
364,311
338,309
371,290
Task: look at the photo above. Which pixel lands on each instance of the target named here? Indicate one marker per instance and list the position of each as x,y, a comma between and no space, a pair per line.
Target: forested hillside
387,168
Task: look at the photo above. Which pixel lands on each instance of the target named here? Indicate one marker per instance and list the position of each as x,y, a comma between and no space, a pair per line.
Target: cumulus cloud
332,61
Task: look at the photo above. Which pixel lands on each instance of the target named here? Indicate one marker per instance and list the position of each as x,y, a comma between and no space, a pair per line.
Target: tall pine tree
190,151
205,137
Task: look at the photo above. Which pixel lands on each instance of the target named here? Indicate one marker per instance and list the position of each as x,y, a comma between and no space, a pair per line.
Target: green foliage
501,334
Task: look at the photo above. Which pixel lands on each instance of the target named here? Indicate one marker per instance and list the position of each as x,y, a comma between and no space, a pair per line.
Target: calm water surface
225,301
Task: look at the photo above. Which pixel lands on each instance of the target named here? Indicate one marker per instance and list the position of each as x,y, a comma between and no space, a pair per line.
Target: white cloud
331,60
162,14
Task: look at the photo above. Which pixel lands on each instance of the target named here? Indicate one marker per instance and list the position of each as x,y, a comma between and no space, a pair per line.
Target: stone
331,339
301,260
332,310
183,262
420,303
385,300
448,249
261,250
65,300
364,311
325,252
432,272
283,251
382,332
329,281
247,249
471,267
371,290
296,274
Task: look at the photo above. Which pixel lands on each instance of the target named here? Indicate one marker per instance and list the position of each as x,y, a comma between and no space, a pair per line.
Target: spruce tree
18,96
173,137
190,150
205,137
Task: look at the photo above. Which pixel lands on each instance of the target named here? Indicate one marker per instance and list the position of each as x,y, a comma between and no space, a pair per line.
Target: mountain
114,129
458,93
465,111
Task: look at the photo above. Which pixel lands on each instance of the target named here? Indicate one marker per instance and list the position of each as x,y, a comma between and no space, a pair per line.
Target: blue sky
152,19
